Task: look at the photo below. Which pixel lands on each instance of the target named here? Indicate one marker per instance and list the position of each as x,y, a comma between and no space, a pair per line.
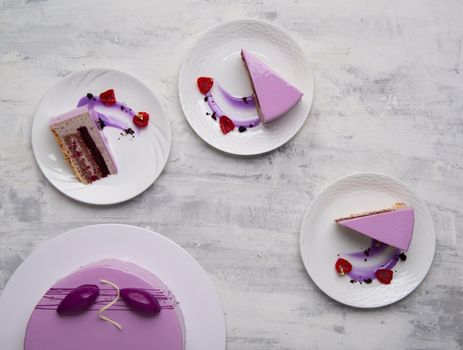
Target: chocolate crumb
245,100
129,131
207,113
352,281
402,256
242,129
214,116
122,107
250,125
89,96
365,259
366,252
205,98
101,123
368,281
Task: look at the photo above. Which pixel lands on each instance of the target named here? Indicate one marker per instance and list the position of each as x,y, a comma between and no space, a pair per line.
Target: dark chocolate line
67,289
120,308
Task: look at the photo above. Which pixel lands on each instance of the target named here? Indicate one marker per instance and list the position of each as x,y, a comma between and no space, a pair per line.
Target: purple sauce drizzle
244,103
238,102
103,120
367,273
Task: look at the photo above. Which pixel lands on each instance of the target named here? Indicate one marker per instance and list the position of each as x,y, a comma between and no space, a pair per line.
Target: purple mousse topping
141,301
48,330
366,273
79,299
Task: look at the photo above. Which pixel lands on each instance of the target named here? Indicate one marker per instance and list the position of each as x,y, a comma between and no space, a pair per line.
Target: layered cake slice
109,304
84,146
392,226
273,95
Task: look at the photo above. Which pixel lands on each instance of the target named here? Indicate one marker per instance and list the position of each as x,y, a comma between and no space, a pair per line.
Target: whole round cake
109,304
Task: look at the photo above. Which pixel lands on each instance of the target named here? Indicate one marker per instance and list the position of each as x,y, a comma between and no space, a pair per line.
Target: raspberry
108,97
384,275
342,266
141,119
205,84
226,124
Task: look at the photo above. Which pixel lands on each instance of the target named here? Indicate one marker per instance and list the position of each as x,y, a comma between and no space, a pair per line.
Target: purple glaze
361,273
47,330
78,299
95,101
141,301
249,122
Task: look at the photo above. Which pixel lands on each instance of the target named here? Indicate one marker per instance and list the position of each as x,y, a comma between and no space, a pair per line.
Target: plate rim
76,231
34,141
200,35
353,175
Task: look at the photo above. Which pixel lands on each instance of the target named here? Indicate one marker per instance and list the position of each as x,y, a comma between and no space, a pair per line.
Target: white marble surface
388,99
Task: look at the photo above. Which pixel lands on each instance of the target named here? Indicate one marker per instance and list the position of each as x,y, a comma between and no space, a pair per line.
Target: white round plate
321,239
217,54
204,320
140,160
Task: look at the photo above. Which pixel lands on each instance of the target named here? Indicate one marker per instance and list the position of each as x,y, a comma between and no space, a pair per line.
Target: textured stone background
388,98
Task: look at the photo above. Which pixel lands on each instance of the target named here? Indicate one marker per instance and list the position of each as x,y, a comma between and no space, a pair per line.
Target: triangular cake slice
392,226
273,95
84,146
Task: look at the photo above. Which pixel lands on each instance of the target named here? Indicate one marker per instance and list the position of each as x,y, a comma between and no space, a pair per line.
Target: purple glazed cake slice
392,226
273,96
119,326
84,146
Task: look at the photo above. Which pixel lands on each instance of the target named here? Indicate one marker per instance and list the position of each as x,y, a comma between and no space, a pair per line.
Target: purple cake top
94,326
